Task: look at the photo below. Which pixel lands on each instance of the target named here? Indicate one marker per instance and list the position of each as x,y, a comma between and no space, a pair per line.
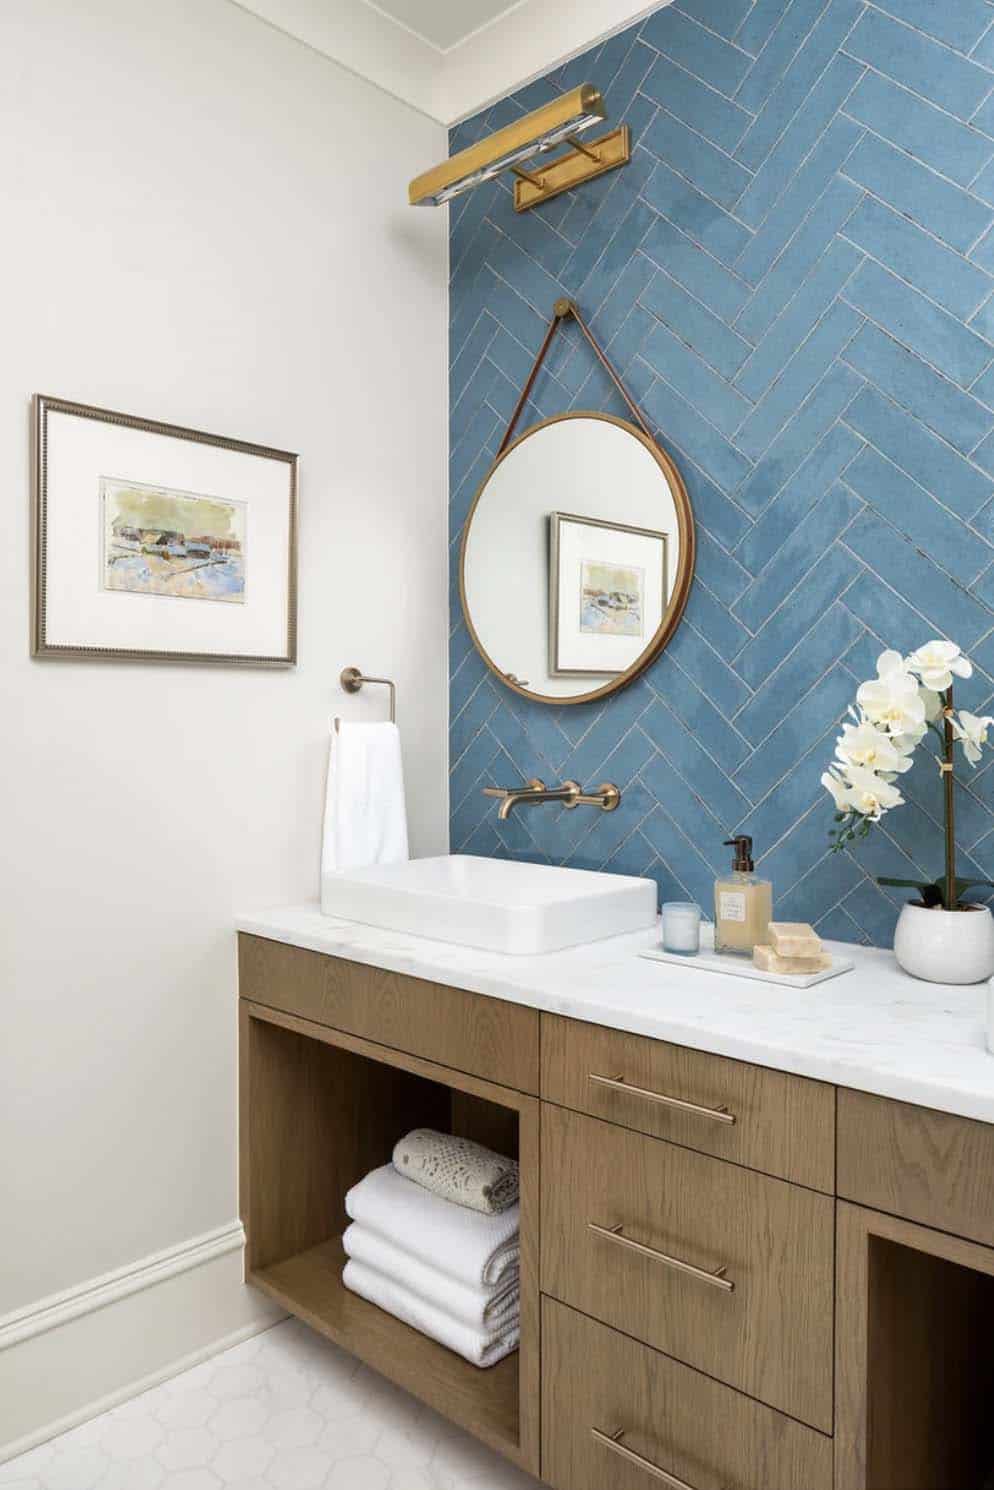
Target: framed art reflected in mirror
608,589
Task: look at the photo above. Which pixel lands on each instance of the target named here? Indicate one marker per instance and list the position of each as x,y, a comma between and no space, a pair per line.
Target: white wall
204,222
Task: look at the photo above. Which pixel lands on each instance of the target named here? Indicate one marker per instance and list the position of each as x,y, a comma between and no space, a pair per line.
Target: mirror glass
577,558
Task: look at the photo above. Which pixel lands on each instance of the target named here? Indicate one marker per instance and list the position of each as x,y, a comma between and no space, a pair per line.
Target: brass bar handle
613,1442
715,1278
619,1084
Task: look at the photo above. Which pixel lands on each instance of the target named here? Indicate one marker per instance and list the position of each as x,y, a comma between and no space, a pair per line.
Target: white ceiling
450,58
442,23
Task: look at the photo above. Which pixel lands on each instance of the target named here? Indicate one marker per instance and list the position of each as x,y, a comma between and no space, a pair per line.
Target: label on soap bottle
731,905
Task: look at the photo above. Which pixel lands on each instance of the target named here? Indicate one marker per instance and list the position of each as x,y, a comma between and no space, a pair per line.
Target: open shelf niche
319,1110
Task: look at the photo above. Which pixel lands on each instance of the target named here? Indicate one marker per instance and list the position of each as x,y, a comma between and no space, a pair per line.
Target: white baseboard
133,1389
96,1293
77,1353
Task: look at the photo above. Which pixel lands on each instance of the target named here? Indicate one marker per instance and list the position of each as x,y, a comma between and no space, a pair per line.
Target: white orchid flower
838,789
870,795
936,662
866,745
893,699
971,731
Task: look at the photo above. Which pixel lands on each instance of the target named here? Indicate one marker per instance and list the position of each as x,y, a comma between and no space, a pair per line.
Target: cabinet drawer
783,1124
466,1031
911,1161
595,1382
762,1324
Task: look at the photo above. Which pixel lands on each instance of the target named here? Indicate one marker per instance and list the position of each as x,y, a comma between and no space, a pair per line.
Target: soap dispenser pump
743,903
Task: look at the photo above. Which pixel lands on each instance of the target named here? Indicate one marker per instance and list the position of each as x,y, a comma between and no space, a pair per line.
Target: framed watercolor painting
608,590
157,543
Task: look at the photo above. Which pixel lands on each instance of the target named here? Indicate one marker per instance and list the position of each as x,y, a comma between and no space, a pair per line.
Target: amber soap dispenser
743,903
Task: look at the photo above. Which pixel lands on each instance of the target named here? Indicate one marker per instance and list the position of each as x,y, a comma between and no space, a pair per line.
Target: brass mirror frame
677,603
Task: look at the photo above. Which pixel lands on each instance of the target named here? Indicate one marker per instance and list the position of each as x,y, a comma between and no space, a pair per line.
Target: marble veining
874,1029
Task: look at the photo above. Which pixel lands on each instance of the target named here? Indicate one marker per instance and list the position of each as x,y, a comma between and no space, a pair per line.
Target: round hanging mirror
577,558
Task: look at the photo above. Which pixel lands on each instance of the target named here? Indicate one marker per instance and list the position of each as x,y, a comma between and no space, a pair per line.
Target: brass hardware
619,1084
542,130
568,171
583,149
716,1278
570,794
529,176
352,680
613,1442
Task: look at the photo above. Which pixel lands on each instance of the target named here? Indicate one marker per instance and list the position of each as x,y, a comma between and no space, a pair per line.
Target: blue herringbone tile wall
794,276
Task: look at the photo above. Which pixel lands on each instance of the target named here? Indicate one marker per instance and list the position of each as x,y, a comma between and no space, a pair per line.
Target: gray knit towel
458,1170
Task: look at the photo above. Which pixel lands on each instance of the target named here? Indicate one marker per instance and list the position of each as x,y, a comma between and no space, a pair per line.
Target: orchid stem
948,784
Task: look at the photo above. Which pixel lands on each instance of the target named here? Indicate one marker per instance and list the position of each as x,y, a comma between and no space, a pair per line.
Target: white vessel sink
497,904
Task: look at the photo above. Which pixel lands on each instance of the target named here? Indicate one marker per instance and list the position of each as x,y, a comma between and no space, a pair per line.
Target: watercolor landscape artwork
611,599
158,541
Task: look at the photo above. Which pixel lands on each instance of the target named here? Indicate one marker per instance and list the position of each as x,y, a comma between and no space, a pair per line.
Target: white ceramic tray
708,961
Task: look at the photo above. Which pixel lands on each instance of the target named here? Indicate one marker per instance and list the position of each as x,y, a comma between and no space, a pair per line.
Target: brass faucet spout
571,794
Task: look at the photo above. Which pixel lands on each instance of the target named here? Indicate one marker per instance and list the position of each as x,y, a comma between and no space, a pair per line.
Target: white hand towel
484,1309
365,817
467,1245
474,1346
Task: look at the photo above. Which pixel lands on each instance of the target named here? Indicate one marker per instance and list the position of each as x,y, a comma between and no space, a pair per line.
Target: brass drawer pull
619,1084
613,1442
716,1278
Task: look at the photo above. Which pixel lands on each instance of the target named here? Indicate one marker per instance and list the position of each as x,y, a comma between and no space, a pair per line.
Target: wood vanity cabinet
709,1300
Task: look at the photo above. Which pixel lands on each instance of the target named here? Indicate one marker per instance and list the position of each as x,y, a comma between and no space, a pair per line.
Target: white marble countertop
874,1028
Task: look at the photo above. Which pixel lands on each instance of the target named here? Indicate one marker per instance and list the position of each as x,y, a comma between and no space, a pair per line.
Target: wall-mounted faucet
570,794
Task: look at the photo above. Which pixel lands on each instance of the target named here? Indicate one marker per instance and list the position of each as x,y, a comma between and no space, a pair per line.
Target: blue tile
983,52
714,677
919,193
681,856
776,160
920,64
932,527
904,569
616,306
714,621
796,22
984,117
823,466
933,463
920,259
826,218
694,817
705,278
801,375
717,343
701,52
938,403
807,186
700,716
470,720
832,634
818,710
799,319
933,333
822,587
716,567
792,796
701,219
710,113
723,16
814,418
713,172
759,25
691,376
685,428
911,124
983,388
960,25
692,764
723,518
983,252
803,549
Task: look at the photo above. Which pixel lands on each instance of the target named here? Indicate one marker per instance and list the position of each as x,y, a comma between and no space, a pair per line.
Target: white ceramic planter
945,946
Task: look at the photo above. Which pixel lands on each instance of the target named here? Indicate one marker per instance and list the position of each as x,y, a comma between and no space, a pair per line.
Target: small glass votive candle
682,927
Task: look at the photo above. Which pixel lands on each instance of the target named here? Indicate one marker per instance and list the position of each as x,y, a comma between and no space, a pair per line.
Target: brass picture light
558,123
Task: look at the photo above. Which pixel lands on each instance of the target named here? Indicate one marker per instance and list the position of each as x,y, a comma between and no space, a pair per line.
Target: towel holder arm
352,679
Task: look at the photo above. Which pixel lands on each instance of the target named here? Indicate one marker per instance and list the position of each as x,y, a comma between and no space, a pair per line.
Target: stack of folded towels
434,1241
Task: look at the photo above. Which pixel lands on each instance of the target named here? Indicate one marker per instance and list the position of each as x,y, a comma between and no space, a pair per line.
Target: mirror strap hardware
352,680
613,1441
715,1278
570,794
562,311
619,1084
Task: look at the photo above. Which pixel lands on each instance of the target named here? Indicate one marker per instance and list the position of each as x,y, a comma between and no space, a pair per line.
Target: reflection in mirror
577,558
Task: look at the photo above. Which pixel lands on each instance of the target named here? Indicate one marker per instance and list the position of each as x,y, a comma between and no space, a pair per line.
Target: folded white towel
365,817
457,1169
467,1245
483,1309
478,1348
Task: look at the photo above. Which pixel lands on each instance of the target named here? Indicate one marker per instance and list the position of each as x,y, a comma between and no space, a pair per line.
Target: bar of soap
769,961
794,939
